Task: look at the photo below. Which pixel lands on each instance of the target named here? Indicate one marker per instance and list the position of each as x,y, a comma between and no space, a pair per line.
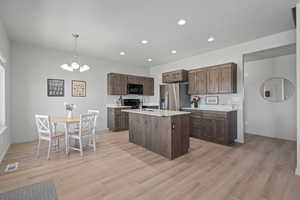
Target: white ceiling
107,27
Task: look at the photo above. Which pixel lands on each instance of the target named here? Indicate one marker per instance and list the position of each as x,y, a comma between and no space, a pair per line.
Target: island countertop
157,112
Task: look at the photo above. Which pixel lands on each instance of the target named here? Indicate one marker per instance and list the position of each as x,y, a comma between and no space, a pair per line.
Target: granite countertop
116,106
157,112
220,108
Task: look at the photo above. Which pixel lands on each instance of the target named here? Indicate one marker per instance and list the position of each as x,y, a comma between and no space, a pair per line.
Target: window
2,98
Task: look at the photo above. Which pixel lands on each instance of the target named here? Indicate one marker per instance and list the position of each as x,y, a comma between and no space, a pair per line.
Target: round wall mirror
277,89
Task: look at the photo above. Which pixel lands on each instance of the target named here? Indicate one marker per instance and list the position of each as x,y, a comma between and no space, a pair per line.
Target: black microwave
135,89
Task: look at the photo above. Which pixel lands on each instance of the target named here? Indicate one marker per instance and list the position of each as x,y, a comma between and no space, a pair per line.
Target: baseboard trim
297,171
4,152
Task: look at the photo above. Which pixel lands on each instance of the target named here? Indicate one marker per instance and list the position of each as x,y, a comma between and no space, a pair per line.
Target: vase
195,104
69,114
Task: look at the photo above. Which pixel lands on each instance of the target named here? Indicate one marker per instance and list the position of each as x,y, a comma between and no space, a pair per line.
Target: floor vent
11,167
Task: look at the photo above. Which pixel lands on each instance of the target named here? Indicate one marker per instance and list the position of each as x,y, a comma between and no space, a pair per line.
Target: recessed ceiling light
144,41
122,53
181,22
211,39
149,60
173,51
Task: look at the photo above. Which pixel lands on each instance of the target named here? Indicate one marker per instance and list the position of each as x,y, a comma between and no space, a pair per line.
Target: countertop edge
156,114
211,110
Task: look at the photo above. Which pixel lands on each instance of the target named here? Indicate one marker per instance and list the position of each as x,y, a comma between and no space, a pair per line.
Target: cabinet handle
173,125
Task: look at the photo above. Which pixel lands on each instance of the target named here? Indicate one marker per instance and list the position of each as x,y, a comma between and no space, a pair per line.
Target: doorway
270,98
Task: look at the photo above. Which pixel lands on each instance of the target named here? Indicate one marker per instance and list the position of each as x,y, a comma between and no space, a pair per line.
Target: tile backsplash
224,99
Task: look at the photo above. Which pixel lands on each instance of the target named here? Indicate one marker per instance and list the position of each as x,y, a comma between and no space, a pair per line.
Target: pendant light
74,65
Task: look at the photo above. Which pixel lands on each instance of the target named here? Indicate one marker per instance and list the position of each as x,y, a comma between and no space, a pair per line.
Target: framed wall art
55,87
78,88
212,100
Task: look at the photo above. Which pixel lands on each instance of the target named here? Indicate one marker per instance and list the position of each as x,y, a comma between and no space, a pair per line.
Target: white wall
298,88
32,65
230,54
5,54
265,118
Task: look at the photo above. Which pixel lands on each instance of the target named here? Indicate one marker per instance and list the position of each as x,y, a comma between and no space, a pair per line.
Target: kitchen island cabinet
163,132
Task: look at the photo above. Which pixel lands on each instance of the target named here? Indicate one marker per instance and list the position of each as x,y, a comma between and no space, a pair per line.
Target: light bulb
75,65
84,68
181,22
211,39
66,67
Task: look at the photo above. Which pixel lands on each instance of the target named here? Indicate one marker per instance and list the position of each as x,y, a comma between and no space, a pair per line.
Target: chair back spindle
44,127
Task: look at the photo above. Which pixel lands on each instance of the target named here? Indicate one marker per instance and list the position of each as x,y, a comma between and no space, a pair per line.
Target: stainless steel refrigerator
174,96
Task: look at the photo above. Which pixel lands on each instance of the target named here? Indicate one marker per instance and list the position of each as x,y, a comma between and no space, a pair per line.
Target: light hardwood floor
262,169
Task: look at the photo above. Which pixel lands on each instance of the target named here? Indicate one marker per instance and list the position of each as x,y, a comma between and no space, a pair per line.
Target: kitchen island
161,131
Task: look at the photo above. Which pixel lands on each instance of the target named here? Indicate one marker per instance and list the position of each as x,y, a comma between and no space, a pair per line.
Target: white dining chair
96,113
86,129
47,131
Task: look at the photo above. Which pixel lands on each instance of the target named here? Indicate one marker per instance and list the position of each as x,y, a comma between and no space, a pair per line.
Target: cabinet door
201,82
221,135
116,84
124,121
165,77
149,87
195,125
134,80
175,76
213,80
192,82
208,129
226,79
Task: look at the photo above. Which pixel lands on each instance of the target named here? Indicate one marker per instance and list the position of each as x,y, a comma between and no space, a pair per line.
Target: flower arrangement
69,108
195,101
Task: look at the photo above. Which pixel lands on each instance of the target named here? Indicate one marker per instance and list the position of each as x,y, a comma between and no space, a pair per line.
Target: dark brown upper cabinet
228,78
197,81
218,79
117,84
135,80
148,87
213,80
175,76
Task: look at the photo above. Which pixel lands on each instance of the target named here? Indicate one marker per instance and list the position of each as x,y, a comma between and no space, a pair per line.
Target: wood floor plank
261,169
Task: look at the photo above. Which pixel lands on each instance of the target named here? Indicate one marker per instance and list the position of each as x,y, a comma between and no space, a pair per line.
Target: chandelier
74,65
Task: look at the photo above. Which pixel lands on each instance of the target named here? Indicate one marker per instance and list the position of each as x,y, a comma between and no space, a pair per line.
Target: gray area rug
41,191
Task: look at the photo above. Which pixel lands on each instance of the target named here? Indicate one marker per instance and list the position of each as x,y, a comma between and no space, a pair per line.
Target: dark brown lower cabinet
116,119
214,126
167,136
